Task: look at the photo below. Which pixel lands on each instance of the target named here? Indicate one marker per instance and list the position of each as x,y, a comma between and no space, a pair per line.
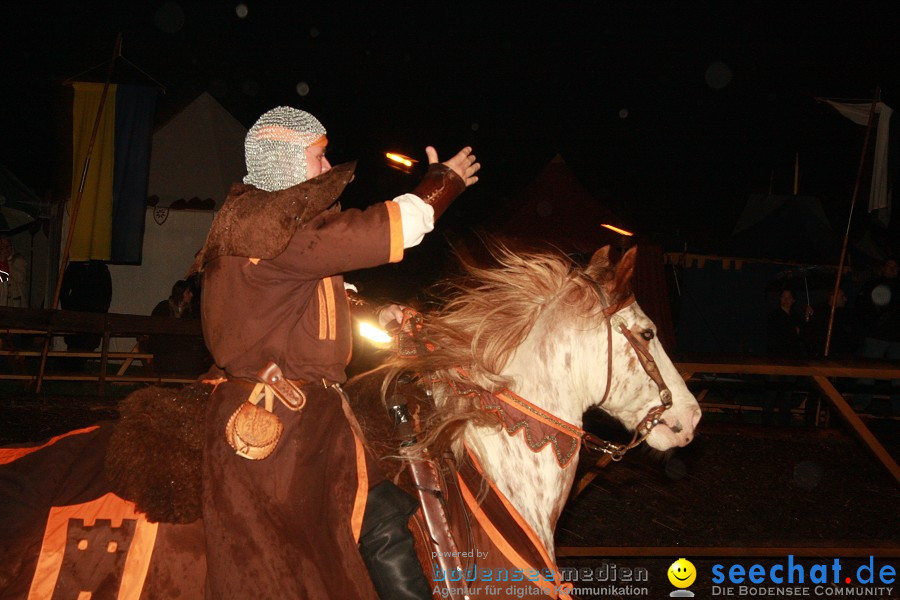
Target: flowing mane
487,314
490,310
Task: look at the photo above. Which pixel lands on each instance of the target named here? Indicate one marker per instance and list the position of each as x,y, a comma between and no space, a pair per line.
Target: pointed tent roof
198,153
788,228
556,208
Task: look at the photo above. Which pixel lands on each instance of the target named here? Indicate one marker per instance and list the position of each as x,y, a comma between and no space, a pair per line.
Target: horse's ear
624,272
599,264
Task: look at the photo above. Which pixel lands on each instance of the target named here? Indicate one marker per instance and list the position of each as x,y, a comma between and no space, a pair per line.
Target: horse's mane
487,313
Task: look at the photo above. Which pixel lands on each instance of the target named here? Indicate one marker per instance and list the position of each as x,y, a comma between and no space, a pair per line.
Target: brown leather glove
439,187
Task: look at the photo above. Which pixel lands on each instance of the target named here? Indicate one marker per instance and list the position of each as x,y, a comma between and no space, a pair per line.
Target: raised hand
463,163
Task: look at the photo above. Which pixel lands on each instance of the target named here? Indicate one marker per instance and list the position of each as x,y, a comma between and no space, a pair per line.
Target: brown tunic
292,309
288,526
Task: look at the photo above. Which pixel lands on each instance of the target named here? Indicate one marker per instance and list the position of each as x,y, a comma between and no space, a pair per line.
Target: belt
291,392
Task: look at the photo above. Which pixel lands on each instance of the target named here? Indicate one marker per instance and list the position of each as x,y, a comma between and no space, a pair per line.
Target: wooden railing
821,374
36,324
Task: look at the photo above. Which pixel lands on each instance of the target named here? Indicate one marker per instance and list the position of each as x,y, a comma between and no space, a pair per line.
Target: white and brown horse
512,362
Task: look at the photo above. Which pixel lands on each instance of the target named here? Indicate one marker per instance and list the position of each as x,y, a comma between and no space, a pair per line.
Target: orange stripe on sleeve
330,308
396,223
323,311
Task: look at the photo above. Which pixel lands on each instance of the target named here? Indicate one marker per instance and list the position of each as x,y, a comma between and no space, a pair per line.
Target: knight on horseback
294,504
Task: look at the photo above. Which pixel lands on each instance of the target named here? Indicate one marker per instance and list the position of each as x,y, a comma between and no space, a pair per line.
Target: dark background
670,113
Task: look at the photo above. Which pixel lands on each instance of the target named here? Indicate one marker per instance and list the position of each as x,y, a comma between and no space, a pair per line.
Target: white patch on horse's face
633,393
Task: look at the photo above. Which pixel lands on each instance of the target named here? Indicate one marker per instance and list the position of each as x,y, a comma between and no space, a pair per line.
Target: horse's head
643,384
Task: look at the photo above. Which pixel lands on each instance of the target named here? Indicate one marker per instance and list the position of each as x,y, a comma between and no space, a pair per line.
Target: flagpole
76,203
859,171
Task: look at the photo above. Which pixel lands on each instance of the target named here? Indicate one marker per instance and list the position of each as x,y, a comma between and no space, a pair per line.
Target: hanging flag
879,194
110,221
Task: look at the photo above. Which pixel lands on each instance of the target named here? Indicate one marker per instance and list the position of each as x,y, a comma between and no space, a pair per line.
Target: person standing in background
13,275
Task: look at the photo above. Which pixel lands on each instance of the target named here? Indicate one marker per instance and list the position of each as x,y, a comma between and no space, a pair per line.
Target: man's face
787,300
316,163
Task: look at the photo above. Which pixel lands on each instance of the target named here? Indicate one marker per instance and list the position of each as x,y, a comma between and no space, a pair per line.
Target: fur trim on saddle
155,452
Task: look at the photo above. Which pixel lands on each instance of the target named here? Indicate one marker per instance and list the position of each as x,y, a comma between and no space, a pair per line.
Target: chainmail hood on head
275,148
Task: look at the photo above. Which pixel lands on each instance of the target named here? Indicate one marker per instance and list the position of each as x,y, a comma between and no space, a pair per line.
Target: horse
487,394
511,364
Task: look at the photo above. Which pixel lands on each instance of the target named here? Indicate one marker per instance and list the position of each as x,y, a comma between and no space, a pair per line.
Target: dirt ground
809,491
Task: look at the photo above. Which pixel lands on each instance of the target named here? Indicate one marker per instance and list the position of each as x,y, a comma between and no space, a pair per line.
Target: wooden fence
35,326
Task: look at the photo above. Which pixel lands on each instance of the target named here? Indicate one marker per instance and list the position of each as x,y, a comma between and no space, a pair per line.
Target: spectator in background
783,340
13,275
178,354
843,337
877,313
178,304
784,325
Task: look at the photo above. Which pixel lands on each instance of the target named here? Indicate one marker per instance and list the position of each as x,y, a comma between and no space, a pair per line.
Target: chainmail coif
275,148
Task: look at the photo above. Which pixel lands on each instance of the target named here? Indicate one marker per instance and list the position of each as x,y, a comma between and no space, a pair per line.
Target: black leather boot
386,545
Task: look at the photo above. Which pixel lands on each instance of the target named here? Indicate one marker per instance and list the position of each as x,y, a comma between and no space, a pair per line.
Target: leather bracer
439,187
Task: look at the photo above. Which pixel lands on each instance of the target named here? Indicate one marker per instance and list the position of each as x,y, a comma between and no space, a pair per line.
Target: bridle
654,416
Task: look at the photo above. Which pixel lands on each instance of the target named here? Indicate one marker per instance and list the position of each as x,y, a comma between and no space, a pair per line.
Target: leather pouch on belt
253,431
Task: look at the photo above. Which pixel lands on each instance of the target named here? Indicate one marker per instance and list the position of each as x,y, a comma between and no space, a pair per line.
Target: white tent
197,154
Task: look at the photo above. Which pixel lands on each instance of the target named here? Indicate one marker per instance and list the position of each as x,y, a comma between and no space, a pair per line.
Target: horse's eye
647,334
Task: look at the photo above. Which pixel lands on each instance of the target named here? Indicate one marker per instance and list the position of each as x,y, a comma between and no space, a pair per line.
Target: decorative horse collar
517,414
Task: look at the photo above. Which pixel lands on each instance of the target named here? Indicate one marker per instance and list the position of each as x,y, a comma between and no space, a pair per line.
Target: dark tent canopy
556,209
784,228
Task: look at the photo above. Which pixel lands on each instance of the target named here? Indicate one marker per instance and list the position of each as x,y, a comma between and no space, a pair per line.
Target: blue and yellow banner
110,221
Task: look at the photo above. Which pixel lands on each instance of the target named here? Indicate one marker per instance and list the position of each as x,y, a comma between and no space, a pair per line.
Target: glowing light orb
718,75
169,17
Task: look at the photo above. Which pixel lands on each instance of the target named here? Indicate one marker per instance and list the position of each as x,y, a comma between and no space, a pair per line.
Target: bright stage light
399,159
616,229
374,334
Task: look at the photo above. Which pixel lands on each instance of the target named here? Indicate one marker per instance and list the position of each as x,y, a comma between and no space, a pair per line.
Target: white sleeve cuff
417,219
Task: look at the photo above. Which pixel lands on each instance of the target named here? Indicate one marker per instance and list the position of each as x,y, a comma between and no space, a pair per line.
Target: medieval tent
785,228
556,210
194,159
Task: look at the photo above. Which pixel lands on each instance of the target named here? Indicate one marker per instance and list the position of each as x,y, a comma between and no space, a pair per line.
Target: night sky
669,115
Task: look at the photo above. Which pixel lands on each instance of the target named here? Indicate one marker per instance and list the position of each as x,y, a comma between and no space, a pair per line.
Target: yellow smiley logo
682,573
